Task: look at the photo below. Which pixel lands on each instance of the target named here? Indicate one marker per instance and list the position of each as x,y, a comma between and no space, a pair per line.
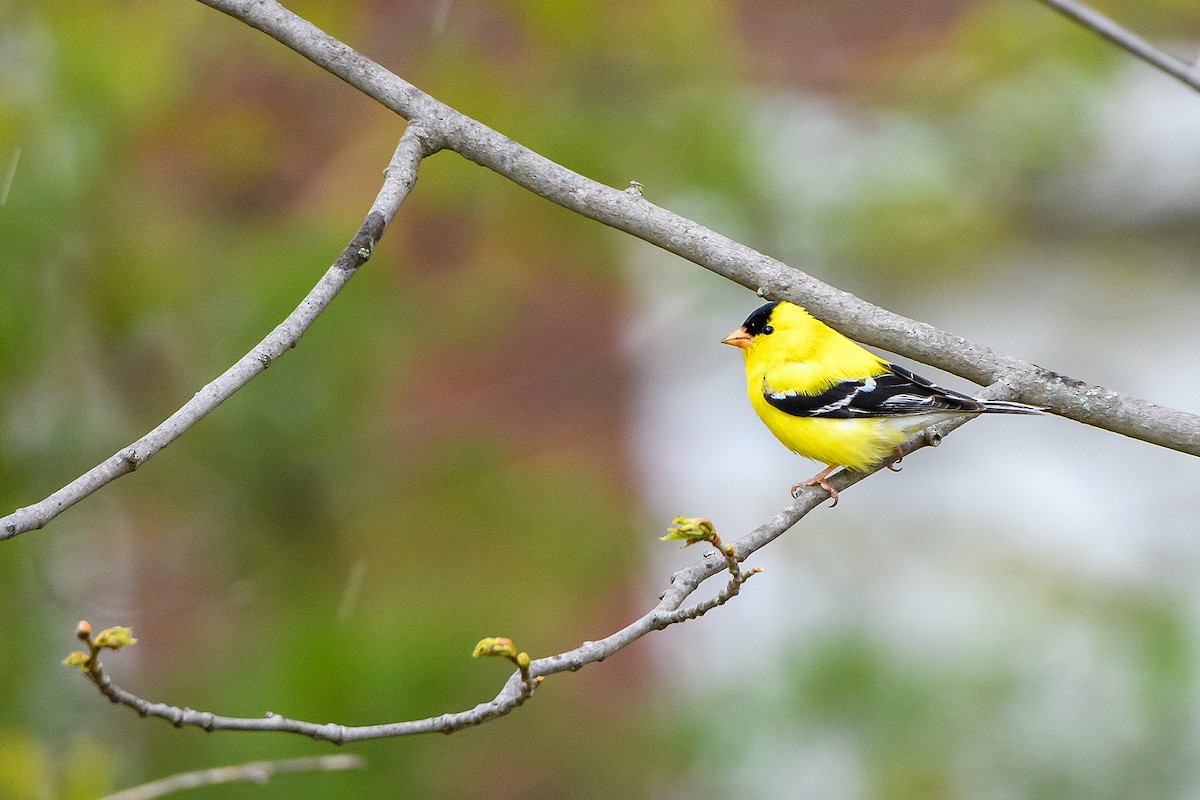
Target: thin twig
1066,396
1127,40
520,686
254,772
400,176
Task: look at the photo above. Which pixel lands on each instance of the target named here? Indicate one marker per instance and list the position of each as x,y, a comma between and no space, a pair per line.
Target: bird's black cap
755,323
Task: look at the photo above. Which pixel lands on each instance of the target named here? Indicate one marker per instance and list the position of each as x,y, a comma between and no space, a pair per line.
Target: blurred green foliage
915,727
450,431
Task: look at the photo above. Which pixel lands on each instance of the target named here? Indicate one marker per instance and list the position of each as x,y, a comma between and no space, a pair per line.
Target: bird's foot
894,466
820,479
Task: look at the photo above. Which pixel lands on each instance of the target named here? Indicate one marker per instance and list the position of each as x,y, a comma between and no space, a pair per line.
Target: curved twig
400,175
254,772
670,610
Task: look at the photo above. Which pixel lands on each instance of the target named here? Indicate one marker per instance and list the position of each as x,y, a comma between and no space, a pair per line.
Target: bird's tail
1009,407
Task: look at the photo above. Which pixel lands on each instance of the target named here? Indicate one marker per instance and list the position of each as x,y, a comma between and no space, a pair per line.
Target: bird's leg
894,466
820,480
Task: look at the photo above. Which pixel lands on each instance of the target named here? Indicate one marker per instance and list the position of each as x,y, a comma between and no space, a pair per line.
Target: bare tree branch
438,126
254,772
400,176
1127,40
628,211
434,126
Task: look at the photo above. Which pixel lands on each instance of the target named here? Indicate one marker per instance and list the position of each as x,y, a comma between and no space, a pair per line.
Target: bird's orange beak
739,338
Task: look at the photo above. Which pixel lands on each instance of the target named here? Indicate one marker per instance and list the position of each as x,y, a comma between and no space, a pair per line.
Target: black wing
895,393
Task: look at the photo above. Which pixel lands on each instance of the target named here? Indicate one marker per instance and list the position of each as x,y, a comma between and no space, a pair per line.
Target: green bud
114,638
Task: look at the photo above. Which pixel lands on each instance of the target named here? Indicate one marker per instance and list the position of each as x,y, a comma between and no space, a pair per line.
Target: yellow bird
828,399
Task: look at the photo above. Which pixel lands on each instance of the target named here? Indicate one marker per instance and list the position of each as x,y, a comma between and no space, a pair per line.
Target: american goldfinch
830,400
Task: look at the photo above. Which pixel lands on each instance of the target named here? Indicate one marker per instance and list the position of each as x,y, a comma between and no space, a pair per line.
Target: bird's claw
818,480
895,465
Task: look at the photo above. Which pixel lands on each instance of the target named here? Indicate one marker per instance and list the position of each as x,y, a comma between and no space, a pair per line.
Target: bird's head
788,326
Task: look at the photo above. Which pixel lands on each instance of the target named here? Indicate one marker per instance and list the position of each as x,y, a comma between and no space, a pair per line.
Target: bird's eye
768,329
